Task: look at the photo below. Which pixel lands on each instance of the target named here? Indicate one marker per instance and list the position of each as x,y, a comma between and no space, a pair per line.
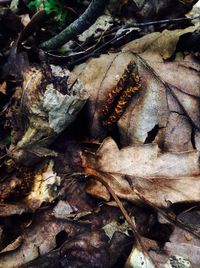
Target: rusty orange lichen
118,98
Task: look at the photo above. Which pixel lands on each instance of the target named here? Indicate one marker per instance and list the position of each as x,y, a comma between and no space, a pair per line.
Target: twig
31,27
168,21
167,215
139,243
77,27
98,176
116,38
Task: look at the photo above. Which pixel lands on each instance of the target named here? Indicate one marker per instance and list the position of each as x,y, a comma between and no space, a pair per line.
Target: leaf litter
133,201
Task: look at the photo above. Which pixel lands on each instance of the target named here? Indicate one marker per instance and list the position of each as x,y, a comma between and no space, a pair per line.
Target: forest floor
99,134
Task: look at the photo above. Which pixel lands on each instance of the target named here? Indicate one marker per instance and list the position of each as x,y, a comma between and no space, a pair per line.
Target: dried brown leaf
38,239
160,177
162,89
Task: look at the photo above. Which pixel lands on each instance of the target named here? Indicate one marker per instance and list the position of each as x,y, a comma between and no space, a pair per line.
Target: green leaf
35,3
51,6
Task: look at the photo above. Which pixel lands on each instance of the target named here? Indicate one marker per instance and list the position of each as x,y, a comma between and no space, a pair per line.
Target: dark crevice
61,237
176,112
152,134
193,139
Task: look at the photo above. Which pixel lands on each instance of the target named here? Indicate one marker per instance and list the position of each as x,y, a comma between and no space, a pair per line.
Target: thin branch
31,27
126,30
139,243
166,215
77,27
168,21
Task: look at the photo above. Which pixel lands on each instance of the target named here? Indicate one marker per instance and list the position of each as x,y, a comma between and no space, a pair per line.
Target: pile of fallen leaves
100,139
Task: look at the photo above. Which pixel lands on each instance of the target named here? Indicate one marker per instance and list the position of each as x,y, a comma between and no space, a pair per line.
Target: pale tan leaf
164,87
138,259
162,178
158,43
145,161
38,239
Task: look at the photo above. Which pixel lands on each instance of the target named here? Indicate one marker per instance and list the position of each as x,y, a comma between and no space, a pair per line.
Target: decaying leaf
163,110
164,94
106,83
151,9
182,249
62,210
51,102
143,111
45,187
177,92
3,88
137,259
30,192
88,249
17,243
185,244
38,239
144,161
114,226
7,210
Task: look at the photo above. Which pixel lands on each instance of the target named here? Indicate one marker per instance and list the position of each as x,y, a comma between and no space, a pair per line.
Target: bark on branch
77,27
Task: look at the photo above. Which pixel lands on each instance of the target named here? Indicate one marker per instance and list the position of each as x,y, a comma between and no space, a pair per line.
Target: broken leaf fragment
45,187
137,259
114,226
51,102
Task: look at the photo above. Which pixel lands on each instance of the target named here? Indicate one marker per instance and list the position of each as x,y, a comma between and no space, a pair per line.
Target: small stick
139,243
77,27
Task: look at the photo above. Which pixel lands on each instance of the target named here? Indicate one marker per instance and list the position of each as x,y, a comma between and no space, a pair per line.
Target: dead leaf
166,99
114,226
169,87
30,191
87,249
138,259
147,10
62,210
146,96
17,243
180,245
38,239
96,189
91,249
144,161
45,187
7,210
160,177
49,107
3,87
158,44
